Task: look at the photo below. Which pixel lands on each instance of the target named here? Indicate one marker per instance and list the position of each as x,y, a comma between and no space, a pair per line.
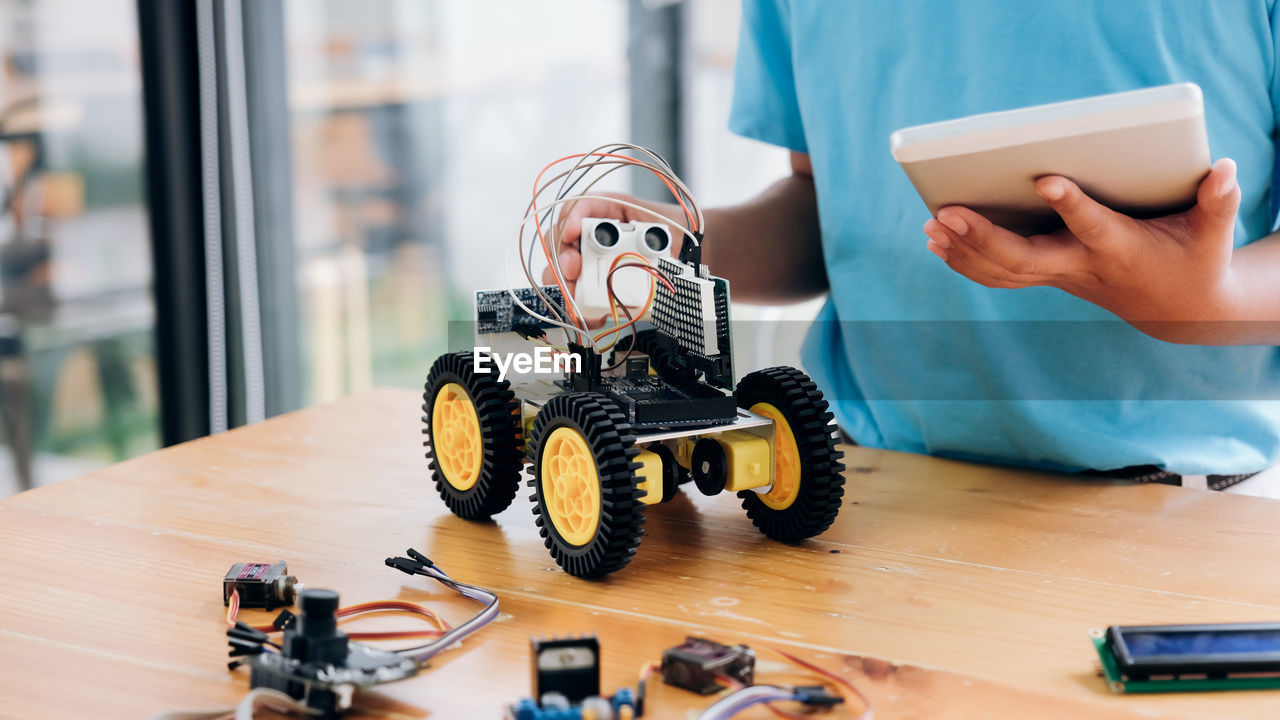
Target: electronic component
622,706
696,315
602,243
667,384
497,311
569,667
317,663
696,664
260,585
653,402
709,467
566,685
1171,658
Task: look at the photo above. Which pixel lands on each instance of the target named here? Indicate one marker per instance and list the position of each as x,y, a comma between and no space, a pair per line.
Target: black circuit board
650,389
652,402
686,317
364,666
497,312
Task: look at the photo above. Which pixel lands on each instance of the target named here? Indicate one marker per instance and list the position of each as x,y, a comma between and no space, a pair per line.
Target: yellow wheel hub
455,436
786,480
570,486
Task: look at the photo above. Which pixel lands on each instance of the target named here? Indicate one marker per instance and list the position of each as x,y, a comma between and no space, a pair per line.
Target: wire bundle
251,639
744,697
550,216
419,564
351,612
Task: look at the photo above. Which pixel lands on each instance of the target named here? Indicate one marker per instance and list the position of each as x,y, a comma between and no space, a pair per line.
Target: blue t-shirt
915,357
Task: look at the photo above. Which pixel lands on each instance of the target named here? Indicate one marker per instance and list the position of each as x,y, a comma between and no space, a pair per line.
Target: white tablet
1142,152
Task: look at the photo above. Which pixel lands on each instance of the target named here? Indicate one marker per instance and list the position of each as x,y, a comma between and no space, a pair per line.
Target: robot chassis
604,444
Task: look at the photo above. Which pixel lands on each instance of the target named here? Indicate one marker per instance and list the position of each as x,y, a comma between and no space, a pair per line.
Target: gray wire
426,652
581,168
553,230
743,699
565,187
207,61
242,197
519,250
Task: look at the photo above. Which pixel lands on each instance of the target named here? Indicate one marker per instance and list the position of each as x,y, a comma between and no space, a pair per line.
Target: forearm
769,247
1255,270
1243,308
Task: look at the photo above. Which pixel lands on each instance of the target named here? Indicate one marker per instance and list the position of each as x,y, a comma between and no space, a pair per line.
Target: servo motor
698,663
260,585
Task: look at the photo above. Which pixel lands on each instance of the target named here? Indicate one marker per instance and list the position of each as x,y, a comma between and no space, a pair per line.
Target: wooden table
945,590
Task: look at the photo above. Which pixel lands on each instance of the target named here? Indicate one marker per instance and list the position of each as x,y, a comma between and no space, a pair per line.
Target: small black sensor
606,234
657,239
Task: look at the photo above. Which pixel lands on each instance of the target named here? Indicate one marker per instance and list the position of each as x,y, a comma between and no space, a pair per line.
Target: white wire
667,171
506,273
659,166
527,258
743,699
550,216
255,700
459,633
274,699
532,214
555,223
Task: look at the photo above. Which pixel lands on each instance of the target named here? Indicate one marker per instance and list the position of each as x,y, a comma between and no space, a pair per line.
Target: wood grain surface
945,590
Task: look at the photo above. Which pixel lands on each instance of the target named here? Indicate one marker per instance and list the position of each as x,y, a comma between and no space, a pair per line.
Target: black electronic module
653,402
497,311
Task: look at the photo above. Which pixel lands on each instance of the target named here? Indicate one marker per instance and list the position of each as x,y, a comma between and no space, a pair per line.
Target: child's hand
1165,276
571,228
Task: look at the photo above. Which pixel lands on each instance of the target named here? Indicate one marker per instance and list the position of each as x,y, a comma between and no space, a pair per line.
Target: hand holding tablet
1142,153
1116,175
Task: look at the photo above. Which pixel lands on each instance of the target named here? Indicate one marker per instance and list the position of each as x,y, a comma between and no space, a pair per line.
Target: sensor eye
657,239
606,234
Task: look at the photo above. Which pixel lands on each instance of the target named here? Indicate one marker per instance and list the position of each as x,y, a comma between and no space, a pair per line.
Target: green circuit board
1119,684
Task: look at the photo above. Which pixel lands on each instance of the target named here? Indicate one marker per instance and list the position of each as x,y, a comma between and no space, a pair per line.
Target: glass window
417,130
77,369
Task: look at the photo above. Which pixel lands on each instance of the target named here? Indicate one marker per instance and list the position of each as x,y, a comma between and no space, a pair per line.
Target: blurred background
220,210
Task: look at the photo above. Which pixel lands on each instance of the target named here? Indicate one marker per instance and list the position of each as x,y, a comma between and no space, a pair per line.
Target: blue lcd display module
1219,642
1179,658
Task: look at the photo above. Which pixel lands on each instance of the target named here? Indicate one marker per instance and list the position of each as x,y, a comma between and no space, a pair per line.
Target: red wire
546,249
848,690
609,286
233,609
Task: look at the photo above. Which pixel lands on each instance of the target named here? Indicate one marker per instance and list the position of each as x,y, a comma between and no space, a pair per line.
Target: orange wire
233,609
851,694
546,249
637,318
735,686
613,306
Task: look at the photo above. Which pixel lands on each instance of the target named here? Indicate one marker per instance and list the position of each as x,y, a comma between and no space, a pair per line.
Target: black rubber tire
821,470
612,445
501,442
